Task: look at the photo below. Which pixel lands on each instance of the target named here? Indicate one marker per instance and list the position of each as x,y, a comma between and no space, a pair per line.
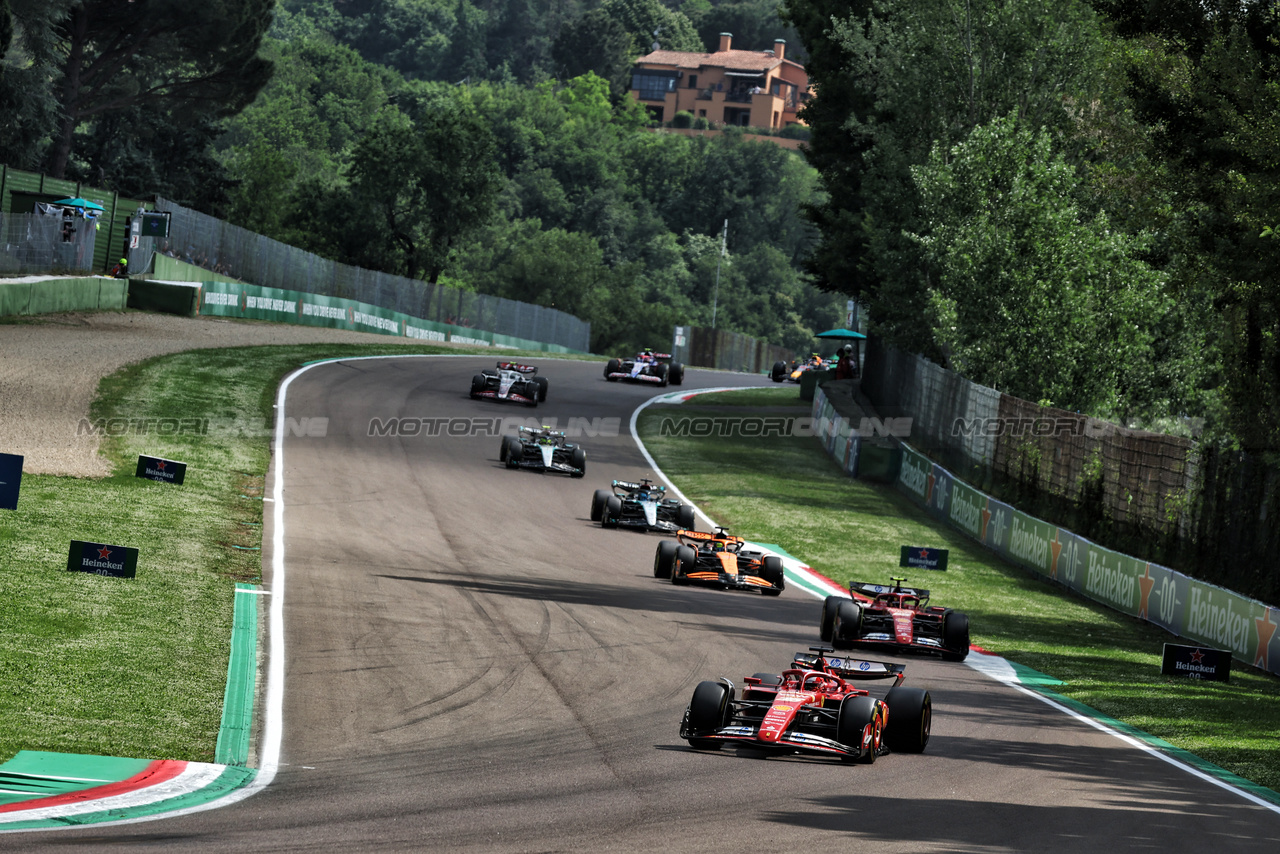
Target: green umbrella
80,203
841,333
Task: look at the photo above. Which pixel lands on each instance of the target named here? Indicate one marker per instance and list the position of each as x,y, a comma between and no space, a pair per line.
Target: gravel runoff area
50,366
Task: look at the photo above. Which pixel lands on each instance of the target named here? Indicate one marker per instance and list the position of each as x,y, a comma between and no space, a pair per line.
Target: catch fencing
231,251
1161,498
728,351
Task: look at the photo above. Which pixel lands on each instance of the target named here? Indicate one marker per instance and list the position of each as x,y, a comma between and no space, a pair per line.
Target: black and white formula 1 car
510,381
543,449
643,504
646,367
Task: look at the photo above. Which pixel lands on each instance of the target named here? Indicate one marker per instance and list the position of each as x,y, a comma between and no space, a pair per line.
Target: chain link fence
1161,498
39,243
231,251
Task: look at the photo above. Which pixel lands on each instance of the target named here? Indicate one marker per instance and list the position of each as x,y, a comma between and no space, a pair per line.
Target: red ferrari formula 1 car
895,617
812,708
719,560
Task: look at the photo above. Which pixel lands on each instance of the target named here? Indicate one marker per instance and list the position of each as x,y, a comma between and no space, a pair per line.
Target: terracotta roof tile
735,60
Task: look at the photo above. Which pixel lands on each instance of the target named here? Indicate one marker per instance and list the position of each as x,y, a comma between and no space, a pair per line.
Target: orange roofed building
748,88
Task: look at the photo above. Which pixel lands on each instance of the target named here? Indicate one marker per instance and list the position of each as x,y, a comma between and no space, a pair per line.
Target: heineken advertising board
919,557
165,471
1196,662
10,480
102,559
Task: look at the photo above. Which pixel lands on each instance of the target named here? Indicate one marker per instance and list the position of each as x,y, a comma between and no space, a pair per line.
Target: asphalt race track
472,665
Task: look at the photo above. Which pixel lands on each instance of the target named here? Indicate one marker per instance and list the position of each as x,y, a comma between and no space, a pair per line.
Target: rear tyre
578,459
686,560
684,517
955,636
677,374
827,624
612,367
543,385
779,372
662,373
477,384
597,503
707,713
612,510
910,719
859,727
772,572
665,559
847,627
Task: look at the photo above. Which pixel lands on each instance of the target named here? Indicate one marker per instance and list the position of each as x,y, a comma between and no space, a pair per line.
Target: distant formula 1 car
543,449
646,367
510,382
813,708
815,362
895,617
642,504
718,560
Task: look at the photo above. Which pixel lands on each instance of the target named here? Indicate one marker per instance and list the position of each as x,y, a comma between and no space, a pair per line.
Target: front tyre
860,727
612,510
612,367
477,385
664,561
779,372
708,711
686,560
578,459
597,503
910,719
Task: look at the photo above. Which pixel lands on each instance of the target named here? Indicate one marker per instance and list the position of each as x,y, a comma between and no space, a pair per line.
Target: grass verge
137,667
786,490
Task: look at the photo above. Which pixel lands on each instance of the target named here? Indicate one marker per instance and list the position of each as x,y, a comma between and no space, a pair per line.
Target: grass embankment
137,667
786,490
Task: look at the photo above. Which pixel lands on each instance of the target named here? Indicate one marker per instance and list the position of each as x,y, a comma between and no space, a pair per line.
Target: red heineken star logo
104,552
1197,656
160,465
1056,546
986,518
1147,583
1266,629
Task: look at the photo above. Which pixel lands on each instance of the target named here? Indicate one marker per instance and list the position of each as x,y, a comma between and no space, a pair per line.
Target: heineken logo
102,559
165,471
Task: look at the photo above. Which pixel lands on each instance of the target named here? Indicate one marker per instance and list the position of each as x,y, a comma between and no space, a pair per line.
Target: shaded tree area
1090,182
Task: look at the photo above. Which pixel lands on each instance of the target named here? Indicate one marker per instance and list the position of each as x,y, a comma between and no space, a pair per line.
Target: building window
693,81
653,86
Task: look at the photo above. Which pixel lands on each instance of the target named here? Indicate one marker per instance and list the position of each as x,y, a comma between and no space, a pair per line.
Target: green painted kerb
242,671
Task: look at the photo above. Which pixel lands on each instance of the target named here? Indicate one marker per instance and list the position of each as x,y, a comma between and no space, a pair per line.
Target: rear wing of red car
513,366
824,659
866,588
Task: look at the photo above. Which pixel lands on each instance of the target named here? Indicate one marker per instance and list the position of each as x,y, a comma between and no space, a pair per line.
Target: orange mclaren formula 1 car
894,617
814,708
718,560
781,371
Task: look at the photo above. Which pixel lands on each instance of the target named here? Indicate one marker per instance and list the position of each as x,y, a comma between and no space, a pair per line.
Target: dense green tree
754,25
598,43
182,63
649,21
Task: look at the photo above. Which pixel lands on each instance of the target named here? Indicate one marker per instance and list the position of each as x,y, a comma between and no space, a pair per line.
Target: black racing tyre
597,503
779,372
684,517
543,385
510,452
826,625
676,376
708,711
612,367
662,373
578,459
910,719
686,560
772,572
530,391
665,559
860,727
768,678
955,636
612,510
848,623
477,384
